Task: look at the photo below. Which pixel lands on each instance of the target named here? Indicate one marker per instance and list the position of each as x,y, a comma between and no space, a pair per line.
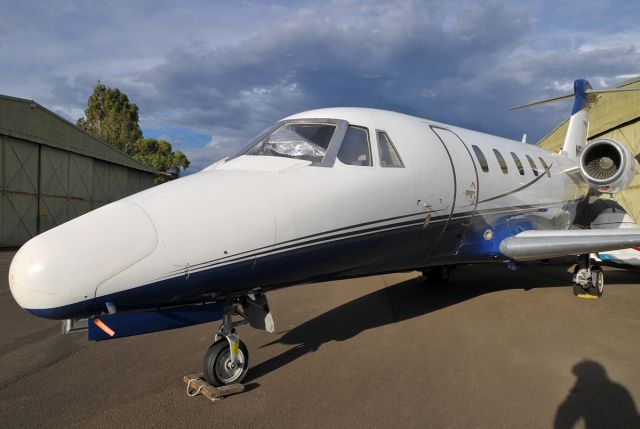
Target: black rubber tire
578,290
597,286
443,274
436,275
215,358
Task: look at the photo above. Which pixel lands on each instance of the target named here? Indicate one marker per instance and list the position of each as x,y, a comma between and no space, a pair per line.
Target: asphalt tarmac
493,348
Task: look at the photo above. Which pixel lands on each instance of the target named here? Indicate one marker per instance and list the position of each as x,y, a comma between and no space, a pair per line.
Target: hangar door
65,186
18,190
42,187
54,178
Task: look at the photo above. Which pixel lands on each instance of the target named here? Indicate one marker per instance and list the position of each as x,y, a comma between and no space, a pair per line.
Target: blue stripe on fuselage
401,249
344,257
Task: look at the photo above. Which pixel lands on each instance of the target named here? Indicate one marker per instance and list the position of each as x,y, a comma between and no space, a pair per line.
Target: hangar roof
28,120
609,112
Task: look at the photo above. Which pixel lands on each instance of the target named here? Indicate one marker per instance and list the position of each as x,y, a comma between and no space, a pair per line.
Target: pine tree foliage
113,118
159,155
110,116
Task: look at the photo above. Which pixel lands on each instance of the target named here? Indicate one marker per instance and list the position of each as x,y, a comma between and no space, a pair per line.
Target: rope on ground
197,392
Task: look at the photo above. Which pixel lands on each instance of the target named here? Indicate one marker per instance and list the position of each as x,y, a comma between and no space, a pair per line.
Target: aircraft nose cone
55,274
21,273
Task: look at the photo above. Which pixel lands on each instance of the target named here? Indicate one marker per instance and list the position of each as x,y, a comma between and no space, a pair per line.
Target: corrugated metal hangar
616,116
52,171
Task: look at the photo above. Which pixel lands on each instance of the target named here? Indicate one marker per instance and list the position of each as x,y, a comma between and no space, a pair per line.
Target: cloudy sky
209,75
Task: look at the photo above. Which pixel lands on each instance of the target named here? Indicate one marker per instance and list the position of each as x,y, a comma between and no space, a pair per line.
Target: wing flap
532,245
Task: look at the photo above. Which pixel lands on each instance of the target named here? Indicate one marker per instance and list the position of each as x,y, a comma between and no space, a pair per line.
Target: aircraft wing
532,245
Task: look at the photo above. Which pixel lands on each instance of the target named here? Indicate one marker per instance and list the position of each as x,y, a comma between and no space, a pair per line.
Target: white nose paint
65,265
212,219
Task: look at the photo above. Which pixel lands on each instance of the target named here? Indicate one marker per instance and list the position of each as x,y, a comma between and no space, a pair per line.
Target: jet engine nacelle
608,166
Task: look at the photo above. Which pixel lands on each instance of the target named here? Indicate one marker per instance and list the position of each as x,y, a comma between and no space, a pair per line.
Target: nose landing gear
588,278
227,360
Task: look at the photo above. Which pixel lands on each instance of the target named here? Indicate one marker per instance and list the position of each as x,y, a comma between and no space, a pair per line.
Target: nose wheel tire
217,367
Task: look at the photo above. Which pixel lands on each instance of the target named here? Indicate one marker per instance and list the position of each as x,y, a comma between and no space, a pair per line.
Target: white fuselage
262,222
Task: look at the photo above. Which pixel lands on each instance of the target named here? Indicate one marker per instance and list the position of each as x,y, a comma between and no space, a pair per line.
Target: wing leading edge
532,245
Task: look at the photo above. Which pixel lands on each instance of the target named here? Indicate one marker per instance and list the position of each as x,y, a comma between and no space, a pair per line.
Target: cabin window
518,163
355,148
534,167
545,166
302,141
481,158
501,161
388,154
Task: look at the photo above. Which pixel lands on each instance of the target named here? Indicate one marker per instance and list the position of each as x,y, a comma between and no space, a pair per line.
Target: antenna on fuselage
578,128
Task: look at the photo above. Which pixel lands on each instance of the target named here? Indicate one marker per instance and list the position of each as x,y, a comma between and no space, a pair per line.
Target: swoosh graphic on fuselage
523,187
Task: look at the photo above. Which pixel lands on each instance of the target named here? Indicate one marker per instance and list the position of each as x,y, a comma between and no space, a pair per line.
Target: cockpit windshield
294,140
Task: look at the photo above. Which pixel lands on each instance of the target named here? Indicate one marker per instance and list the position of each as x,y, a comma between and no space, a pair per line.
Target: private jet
322,195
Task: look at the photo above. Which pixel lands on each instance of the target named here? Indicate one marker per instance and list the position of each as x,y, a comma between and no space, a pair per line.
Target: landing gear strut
227,360
588,278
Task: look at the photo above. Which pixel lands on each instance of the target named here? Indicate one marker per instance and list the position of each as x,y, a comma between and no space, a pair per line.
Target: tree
110,116
158,154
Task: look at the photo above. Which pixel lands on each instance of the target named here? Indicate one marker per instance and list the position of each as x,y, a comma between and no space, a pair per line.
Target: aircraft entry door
465,200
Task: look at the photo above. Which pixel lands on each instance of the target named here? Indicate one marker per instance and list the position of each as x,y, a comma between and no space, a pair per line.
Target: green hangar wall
51,171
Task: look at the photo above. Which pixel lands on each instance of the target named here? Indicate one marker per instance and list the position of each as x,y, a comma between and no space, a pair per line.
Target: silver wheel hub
228,371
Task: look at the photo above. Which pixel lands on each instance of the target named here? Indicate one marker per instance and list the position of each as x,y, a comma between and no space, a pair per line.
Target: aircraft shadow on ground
600,402
413,298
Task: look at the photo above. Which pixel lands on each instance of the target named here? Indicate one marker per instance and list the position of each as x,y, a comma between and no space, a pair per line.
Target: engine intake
607,165
602,163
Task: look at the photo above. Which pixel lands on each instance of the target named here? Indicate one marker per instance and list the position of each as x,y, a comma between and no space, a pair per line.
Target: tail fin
578,129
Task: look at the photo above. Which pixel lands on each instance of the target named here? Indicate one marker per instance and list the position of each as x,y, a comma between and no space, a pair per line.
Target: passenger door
465,200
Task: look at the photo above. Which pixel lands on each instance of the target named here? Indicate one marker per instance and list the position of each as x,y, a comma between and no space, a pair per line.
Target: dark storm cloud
230,69
403,57
377,58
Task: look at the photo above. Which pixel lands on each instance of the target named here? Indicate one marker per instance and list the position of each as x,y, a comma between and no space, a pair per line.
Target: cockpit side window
389,156
355,148
294,140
